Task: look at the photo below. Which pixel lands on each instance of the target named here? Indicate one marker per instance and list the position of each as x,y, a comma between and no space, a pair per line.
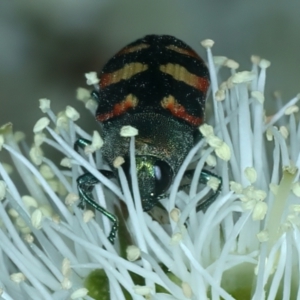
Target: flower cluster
245,245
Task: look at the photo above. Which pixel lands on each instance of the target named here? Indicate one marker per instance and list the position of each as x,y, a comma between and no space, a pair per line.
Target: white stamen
44,105
142,290
30,201
36,155
214,141
72,113
88,215
71,199
66,284
66,267
91,105
219,60
259,96
66,162
175,214
82,94
1,141
41,124
211,161
242,77
39,139
291,110
220,95
187,291
264,64
207,43
263,236
91,78
17,277
223,152
284,131
176,238
128,131
133,253
259,211
2,190
230,63
206,130
255,59
118,161
251,174
79,293
36,219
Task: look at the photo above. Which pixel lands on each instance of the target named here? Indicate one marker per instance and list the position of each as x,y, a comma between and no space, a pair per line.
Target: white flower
245,246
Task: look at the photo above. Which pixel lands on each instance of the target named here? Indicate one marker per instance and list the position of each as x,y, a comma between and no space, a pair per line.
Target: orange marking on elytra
106,80
132,49
188,52
200,83
177,110
119,108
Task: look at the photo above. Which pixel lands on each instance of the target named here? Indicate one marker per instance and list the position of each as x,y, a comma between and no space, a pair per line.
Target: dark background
46,47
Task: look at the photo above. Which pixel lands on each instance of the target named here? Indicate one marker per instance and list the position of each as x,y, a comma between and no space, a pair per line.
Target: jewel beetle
157,85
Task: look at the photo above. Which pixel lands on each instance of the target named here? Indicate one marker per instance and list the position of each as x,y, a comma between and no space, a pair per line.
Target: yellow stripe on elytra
124,73
180,73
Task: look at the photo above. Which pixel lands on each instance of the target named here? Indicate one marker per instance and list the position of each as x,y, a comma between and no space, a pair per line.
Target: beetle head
154,178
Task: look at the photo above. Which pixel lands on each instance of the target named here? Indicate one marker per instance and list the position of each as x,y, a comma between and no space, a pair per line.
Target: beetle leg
204,178
85,185
95,95
81,143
